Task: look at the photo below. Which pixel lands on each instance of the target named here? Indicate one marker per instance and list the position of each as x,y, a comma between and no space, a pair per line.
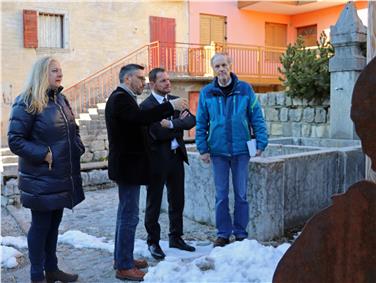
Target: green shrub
306,71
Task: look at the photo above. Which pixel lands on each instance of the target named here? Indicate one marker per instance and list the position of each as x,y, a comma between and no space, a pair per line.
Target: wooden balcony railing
256,64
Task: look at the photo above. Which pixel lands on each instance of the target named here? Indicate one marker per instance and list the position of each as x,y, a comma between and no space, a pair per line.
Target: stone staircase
93,134
8,163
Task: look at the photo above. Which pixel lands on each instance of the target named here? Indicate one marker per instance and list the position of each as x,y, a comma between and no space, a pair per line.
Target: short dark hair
127,69
153,74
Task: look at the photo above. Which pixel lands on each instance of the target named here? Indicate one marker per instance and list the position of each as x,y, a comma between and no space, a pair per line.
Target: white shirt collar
158,97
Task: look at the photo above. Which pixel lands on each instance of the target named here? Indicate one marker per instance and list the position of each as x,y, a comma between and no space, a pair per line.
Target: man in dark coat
168,154
129,162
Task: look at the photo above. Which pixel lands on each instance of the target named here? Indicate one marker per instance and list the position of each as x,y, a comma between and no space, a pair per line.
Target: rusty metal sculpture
338,245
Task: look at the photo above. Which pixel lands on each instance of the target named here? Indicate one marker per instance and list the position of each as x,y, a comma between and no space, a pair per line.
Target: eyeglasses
141,78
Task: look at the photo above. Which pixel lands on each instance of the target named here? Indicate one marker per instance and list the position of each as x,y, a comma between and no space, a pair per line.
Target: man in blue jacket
227,110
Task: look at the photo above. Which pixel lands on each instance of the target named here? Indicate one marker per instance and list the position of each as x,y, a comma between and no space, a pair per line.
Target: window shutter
204,30
275,34
212,28
309,34
30,26
217,29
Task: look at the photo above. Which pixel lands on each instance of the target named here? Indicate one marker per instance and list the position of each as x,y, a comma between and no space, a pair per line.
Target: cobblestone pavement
95,216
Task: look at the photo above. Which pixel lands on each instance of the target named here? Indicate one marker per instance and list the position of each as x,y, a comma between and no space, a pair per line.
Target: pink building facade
246,21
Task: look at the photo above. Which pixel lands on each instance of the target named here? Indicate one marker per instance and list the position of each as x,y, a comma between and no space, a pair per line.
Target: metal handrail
109,66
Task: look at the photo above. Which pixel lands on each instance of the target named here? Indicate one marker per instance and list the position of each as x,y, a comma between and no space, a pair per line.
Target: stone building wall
96,35
288,117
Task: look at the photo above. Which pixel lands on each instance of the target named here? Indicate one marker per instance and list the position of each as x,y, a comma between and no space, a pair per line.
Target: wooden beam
295,3
242,4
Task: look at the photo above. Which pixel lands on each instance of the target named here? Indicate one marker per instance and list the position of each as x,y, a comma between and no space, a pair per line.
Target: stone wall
290,183
288,117
91,180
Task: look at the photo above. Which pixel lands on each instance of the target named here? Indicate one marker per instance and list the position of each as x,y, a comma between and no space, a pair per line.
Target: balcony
255,64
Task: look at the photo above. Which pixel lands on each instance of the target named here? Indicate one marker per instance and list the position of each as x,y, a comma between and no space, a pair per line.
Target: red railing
256,63
180,58
97,87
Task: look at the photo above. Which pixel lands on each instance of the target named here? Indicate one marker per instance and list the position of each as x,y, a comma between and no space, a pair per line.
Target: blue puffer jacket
30,136
223,123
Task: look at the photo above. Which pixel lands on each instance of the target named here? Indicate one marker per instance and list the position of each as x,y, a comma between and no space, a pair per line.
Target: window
45,29
309,34
50,30
212,28
275,36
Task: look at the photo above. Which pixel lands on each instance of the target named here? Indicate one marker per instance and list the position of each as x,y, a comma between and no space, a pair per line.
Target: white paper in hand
252,147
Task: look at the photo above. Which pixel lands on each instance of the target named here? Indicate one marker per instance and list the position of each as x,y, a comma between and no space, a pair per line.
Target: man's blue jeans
126,223
239,170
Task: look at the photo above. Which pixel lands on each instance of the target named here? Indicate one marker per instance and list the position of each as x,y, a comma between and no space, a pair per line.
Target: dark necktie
164,101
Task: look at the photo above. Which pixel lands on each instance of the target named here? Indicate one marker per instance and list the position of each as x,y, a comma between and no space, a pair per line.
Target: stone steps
9,159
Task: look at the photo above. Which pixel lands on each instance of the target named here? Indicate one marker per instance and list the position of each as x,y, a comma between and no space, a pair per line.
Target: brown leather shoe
221,242
140,263
133,274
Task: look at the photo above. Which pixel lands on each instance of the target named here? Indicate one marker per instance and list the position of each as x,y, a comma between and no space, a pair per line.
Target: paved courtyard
96,216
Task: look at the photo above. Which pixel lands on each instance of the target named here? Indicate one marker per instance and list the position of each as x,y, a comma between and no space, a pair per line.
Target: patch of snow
18,242
245,261
9,257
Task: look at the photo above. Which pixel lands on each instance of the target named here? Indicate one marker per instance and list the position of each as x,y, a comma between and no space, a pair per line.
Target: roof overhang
288,7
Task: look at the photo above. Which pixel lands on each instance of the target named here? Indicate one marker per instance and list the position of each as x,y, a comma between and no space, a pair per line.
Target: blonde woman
43,133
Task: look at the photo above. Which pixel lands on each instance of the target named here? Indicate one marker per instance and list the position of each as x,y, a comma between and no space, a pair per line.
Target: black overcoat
129,154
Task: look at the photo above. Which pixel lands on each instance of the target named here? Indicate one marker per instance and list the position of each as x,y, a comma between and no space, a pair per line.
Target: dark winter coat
30,136
129,155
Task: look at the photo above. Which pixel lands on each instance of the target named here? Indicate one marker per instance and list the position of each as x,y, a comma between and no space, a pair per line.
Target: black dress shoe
178,243
239,239
156,251
60,276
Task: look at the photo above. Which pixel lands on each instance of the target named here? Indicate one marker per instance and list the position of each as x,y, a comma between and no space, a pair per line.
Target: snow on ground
8,254
245,261
82,240
18,242
9,257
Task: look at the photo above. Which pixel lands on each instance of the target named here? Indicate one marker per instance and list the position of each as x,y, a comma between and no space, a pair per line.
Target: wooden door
275,36
193,103
163,54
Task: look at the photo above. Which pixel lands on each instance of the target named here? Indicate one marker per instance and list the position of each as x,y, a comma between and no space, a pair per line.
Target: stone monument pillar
347,36
371,53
